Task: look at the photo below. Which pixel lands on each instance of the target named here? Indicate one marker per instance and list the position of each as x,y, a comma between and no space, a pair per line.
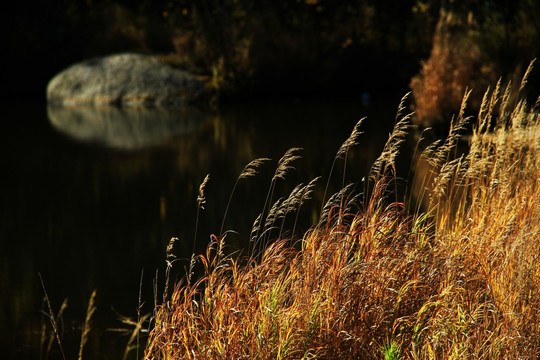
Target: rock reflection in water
124,127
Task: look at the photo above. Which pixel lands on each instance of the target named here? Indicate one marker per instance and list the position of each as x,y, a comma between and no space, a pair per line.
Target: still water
91,197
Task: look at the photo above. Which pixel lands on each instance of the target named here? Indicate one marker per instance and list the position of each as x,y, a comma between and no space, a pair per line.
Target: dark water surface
91,197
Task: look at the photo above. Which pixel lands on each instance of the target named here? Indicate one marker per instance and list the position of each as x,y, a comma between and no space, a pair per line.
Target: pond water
91,197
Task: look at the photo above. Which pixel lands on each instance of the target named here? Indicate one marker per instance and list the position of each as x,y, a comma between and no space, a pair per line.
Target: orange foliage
457,63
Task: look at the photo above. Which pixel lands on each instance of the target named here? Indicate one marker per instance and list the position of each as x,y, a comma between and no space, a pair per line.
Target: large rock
127,79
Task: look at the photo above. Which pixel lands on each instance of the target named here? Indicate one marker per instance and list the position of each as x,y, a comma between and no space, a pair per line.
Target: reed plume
283,167
525,79
457,125
251,169
86,326
305,194
342,153
285,163
277,211
170,257
255,228
334,202
201,201
283,207
351,141
386,160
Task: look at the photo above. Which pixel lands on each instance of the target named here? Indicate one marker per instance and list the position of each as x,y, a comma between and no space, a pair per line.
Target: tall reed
87,323
369,281
56,332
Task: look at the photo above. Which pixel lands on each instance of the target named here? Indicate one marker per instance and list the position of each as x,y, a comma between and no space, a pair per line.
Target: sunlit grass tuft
370,280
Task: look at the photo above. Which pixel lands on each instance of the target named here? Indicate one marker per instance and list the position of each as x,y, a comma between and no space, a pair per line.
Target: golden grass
87,322
56,333
369,281
54,321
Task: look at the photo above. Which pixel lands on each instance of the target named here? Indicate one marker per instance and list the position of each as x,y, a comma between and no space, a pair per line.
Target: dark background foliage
259,49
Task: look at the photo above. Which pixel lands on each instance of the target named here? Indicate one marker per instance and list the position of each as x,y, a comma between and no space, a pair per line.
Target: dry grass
457,62
87,323
460,280
56,333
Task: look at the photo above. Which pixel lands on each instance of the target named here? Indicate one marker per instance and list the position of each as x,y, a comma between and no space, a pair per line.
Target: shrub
457,62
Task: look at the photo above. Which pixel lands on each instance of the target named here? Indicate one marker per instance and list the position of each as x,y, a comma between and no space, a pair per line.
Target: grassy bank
374,278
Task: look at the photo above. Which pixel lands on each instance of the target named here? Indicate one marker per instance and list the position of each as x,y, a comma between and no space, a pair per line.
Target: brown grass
457,62
460,280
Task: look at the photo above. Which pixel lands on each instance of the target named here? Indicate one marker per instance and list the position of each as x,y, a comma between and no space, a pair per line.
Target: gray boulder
125,79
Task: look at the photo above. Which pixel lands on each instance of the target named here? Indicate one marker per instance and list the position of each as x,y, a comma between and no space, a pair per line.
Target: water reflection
124,127
92,214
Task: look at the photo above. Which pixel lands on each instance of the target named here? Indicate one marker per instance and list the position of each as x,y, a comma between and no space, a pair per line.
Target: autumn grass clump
457,61
371,280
